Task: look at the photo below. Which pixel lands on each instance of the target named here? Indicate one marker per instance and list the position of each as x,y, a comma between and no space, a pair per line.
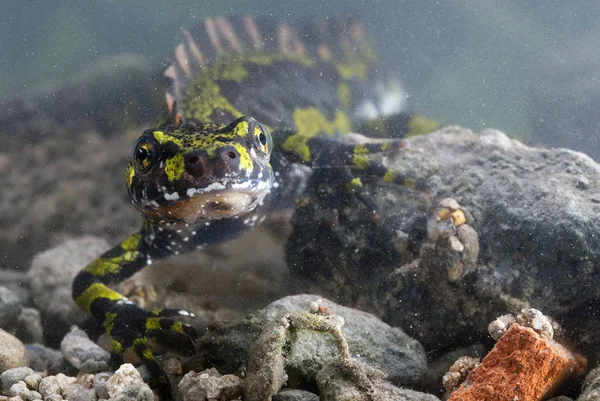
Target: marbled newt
209,172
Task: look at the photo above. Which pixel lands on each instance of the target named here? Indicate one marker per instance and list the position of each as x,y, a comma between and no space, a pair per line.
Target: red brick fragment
522,366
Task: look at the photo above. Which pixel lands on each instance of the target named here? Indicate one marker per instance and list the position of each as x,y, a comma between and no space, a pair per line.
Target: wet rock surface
370,341
535,212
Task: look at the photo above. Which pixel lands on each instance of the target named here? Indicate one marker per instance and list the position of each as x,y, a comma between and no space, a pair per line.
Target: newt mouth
213,202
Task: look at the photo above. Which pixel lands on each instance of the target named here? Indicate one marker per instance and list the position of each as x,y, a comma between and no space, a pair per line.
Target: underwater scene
300,200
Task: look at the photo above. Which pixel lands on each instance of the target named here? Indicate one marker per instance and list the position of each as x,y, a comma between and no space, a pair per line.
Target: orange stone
522,366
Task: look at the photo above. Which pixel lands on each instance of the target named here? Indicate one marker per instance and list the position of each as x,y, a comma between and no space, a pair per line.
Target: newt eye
265,141
145,154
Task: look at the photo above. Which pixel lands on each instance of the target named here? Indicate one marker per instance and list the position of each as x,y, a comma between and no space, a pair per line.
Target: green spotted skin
208,171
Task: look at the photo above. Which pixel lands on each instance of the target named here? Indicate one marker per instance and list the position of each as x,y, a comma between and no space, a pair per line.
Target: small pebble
33,381
83,353
127,375
174,366
19,389
100,380
48,386
29,326
65,381
78,392
12,376
135,392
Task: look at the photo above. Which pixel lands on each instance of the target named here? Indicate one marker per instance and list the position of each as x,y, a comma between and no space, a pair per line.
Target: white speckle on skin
174,196
186,239
148,261
194,232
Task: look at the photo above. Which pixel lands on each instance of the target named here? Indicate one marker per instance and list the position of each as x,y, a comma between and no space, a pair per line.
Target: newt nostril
231,155
195,164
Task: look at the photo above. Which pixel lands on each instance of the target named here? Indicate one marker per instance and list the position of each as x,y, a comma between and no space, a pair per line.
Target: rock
28,327
65,381
48,386
10,308
51,275
78,392
337,385
42,358
537,232
19,389
100,386
210,385
54,397
12,376
522,365
83,353
127,382
295,395
134,392
591,386
370,340
13,353
32,381
34,395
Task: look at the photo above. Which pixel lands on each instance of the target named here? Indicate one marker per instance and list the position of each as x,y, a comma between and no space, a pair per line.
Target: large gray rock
535,211
13,353
370,341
